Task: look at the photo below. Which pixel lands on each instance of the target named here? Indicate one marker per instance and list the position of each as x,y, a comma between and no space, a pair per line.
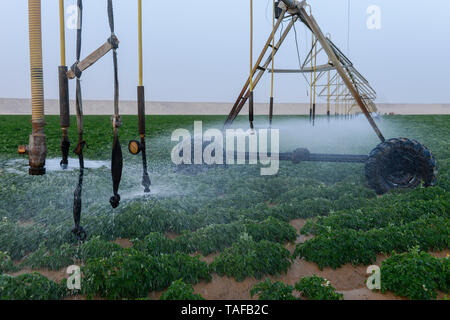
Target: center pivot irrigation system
394,163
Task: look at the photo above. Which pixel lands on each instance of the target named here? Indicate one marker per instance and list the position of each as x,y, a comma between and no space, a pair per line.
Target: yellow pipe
315,70
311,76
273,50
251,45
141,70
338,97
37,148
37,83
328,95
62,35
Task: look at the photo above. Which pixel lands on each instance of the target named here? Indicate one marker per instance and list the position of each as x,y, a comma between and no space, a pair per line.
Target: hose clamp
114,41
77,72
116,121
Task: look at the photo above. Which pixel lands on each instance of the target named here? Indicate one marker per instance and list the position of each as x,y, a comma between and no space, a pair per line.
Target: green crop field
223,224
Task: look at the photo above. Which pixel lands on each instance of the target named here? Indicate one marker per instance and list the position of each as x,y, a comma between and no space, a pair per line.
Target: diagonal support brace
77,69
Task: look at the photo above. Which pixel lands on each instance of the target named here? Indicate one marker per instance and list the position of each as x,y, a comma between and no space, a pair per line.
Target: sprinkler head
64,166
79,233
146,183
134,147
115,201
65,146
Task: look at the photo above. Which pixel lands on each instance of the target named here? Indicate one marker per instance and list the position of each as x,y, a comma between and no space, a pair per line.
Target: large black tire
400,164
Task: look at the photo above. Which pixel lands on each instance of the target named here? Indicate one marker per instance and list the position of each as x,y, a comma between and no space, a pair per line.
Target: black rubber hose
117,157
271,111
141,115
77,202
251,110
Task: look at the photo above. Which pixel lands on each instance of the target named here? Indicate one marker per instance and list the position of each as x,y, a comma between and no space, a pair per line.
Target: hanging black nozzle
271,112
78,231
251,111
116,170
65,147
115,201
146,183
64,115
117,158
136,147
314,114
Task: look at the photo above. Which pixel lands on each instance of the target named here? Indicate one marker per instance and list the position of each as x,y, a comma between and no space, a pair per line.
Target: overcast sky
198,50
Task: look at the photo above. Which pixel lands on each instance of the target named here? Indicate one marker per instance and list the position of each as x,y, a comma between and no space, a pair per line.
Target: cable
315,80
117,157
250,101
299,55
267,11
273,67
348,27
251,45
298,50
78,231
273,50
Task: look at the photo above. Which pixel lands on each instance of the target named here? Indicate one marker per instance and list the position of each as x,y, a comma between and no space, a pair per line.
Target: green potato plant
248,258
416,275
179,290
267,290
30,287
317,288
132,274
311,288
6,264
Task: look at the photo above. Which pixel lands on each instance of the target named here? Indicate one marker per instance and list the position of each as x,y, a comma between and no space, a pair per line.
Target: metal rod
62,34
238,104
64,111
309,157
244,97
312,24
141,69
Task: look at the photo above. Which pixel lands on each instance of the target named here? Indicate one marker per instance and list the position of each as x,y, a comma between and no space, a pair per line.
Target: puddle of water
20,166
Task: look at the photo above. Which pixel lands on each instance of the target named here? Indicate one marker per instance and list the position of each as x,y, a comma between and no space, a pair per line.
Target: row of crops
132,274
234,213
